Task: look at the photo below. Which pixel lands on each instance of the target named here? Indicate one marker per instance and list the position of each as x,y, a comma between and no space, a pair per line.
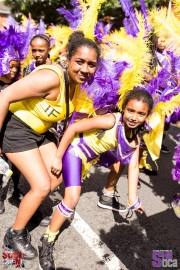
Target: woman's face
40,50
135,113
82,65
13,67
161,44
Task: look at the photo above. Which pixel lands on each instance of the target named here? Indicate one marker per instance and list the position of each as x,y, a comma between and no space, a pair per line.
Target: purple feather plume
104,85
143,8
176,171
41,27
74,16
130,29
128,9
159,82
145,13
14,45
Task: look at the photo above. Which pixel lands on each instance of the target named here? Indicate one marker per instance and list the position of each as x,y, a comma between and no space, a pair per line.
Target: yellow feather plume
61,35
90,13
176,8
132,50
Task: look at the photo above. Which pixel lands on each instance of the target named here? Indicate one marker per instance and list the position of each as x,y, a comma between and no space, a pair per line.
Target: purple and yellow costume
89,148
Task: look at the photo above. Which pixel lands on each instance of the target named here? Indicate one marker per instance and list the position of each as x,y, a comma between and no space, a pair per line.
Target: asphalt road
98,239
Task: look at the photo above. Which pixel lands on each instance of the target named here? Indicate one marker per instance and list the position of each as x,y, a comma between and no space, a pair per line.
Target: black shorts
16,136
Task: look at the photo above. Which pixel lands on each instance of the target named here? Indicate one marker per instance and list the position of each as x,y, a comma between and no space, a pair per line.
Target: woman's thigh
48,152
32,166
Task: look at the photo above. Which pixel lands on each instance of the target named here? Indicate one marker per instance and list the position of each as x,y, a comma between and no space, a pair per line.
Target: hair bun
76,35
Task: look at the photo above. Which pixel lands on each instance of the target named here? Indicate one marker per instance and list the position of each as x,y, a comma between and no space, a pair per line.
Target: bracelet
135,206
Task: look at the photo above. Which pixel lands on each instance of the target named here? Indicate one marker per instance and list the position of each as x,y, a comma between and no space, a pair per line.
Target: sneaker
2,208
20,241
164,149
46,261
111,204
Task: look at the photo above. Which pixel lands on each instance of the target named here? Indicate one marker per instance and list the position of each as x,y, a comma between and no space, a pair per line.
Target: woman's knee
42,191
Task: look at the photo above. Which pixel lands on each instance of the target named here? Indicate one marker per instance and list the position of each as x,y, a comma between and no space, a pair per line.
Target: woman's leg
48,152
33,165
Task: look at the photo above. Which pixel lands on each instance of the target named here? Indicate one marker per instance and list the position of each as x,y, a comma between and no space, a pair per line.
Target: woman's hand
56,166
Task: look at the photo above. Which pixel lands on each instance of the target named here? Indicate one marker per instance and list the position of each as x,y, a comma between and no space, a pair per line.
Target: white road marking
96,244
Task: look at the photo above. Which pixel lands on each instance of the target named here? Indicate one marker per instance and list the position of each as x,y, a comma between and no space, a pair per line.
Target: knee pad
64,210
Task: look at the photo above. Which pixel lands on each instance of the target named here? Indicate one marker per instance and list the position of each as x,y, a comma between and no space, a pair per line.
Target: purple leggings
72,167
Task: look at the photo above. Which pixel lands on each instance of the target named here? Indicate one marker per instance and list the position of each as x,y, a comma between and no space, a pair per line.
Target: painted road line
96,244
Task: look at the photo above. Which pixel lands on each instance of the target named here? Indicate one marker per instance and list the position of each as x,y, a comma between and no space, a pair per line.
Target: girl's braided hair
41,36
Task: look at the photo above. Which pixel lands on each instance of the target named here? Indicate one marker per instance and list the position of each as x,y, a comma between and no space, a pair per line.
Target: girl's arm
106,121
133,174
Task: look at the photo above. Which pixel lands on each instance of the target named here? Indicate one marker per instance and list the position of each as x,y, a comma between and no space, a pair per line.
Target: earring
63,62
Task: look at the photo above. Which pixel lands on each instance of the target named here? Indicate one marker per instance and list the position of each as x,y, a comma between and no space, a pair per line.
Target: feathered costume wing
131,50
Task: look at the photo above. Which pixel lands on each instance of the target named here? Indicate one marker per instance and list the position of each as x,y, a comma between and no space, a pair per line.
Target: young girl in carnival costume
82,145
40,48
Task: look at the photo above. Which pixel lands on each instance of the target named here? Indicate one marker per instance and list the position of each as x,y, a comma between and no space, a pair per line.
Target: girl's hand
141,209
56,166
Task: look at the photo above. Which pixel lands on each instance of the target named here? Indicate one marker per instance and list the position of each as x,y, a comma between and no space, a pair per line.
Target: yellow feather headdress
89,12
132,50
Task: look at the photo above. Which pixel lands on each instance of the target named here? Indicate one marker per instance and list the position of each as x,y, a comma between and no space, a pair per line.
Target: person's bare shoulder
57,65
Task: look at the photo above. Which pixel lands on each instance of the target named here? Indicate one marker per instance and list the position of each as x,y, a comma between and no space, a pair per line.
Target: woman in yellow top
27,110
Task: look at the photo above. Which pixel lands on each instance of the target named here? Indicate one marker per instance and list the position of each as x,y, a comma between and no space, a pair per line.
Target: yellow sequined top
98,145
39,113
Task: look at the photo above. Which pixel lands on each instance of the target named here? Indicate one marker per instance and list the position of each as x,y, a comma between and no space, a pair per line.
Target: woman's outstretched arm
106,121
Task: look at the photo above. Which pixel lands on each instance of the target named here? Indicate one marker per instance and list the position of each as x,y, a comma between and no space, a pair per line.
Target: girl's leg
107,200
71,198
116,170
72,169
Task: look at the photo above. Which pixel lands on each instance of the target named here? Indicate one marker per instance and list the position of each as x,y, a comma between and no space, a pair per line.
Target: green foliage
46,9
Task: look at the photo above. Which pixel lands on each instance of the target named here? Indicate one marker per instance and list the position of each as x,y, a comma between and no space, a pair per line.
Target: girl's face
82,65
13,67
40,50
135,113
